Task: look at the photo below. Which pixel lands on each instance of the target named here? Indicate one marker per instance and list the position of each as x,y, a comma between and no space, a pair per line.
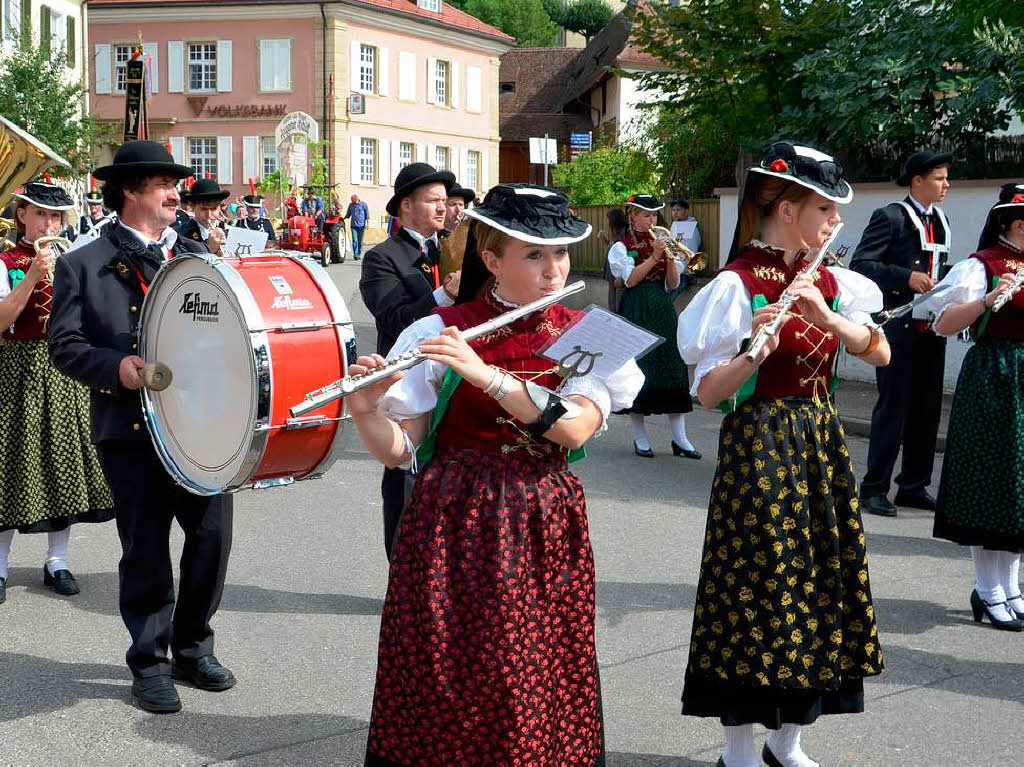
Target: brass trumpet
689,261
60,245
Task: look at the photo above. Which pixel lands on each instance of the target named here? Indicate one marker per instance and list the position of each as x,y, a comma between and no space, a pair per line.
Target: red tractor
301,233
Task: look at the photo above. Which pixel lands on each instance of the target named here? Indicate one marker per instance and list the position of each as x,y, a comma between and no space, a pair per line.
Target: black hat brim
946,158
46,196
223,194
437,177
467,195
569,231
842,193
120,170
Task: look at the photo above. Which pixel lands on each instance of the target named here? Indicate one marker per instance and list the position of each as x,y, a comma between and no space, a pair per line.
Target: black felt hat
920,163
45,194
414,176
467,195
253,200
647,202
205,190
141,157
1009,207
807,167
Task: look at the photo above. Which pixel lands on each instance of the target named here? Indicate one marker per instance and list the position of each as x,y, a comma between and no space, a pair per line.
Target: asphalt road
299,621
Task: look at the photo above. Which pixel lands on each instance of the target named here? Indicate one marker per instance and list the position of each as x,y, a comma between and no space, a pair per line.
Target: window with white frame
441,155
12,18
202,155
430,5
367,68
471,172
202,66
275,65
441,89
367,160
122,53
406,154
269,153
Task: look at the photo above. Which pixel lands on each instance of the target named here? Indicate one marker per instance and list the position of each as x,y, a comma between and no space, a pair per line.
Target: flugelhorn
690,262
60,245
345,386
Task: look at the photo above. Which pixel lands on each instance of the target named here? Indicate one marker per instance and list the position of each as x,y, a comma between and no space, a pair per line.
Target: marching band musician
487,652
51,476
784,628
98,217
203,227
981,490
649,276
458,200
98,293
254,220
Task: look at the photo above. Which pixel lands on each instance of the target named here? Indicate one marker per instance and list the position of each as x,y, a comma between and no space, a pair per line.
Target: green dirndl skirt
51,476
981,493
784,627
666,386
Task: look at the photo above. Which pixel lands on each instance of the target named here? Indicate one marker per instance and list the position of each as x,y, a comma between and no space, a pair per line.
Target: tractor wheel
331,238
325,254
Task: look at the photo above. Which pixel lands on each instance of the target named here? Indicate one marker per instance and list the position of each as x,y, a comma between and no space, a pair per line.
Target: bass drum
244,339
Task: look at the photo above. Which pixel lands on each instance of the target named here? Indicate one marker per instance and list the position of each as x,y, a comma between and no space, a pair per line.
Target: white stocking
6,537
639,431
784,743
1009,567
739,748
679,431
989,581
57,553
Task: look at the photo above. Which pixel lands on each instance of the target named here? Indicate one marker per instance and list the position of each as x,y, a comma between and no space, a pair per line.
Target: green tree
525,20
586,17
37,96
606,175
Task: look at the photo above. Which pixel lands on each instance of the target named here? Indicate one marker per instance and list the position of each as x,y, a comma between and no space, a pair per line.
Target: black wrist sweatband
553,410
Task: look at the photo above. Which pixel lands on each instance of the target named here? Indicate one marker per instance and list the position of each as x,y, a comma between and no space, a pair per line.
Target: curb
861,427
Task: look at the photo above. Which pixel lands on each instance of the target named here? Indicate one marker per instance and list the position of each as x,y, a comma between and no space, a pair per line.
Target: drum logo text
199,310
290,303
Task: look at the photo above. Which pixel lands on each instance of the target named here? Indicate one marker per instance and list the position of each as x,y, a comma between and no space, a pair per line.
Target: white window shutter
453,160
421,154
353,159
383,162
224,160
178,149
223,66
267,65
483,171
383,71
474,94
396,159
102,68
284,65
431,155
250,158
464,164
175,66
431,80
455,84
150,50
354,66
406,76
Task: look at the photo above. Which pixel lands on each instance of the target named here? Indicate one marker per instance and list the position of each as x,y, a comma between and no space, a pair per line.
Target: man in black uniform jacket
98,290
399,285
97,218
203,227
904,250
253,220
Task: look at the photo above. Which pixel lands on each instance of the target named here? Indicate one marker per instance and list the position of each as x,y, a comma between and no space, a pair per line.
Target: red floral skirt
487,652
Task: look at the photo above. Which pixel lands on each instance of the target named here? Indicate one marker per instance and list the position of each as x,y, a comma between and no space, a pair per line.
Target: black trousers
146,499
395,489
906,414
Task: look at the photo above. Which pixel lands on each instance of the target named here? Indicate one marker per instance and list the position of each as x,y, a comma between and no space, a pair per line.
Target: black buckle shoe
156,694
979,608
770,759
3,590
62,581
1016,613
920,499
206,673
685,452
880,505
648,453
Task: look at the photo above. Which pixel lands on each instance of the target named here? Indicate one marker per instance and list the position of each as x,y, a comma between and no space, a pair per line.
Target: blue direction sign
579,140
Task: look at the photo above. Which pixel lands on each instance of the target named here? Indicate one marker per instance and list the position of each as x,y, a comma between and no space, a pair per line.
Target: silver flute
1007,295
786,301
345,386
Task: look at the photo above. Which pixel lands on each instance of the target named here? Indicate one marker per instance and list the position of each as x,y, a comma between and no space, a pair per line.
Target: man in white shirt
684,226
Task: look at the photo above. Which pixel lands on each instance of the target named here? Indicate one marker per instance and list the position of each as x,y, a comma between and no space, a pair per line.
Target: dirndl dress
784,626
981,491
51,476
487,650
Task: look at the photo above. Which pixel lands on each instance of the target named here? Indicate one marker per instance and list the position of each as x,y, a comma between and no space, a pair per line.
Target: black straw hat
205,190
414,176
647,202
45,194
920,163
807,167
141,158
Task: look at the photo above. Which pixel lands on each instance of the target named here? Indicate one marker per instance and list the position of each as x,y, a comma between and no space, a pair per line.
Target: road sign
580,140
537,151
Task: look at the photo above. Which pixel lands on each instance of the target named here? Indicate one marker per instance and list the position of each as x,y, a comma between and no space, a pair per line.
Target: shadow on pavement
622,759
30,685
912,616
910,546
908,667
617,600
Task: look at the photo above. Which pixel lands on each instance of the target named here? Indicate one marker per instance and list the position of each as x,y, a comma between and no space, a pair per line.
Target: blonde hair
763,200
492,239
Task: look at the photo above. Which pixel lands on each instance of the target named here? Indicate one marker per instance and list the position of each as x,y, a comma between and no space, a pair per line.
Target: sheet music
599,331
243,242
683,230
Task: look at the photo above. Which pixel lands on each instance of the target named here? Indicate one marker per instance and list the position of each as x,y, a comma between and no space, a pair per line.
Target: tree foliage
585,17
606,175
526,20
37,95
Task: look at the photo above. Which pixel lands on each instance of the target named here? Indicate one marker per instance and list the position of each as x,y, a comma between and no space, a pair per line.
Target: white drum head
203,424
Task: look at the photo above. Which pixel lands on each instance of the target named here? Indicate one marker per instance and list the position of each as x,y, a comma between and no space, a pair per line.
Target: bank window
202,66
269,155
367,68
202,156
367,160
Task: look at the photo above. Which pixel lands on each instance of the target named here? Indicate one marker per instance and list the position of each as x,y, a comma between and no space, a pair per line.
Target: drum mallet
156,376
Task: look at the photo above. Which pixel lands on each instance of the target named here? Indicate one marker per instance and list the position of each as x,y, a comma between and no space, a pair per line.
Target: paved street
299,620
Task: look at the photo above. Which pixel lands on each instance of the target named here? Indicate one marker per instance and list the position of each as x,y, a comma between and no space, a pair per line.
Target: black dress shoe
770,759
720,762
979,607
1016,613
880,505
920,499
3,590
206,673
62,581
686,453
648,453
156,694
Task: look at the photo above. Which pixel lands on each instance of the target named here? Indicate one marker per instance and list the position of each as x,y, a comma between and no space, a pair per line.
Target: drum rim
263,383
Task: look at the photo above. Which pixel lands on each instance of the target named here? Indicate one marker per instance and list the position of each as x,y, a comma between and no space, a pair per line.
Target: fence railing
589,256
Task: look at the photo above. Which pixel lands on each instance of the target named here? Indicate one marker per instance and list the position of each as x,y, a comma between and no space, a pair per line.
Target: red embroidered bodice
32,323
475,420
801,366
642,243
1008,322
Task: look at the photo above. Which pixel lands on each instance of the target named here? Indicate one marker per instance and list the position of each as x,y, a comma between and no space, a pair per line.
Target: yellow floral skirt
784,628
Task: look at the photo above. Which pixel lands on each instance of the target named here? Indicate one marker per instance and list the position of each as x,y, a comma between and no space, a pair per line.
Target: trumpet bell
690,261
